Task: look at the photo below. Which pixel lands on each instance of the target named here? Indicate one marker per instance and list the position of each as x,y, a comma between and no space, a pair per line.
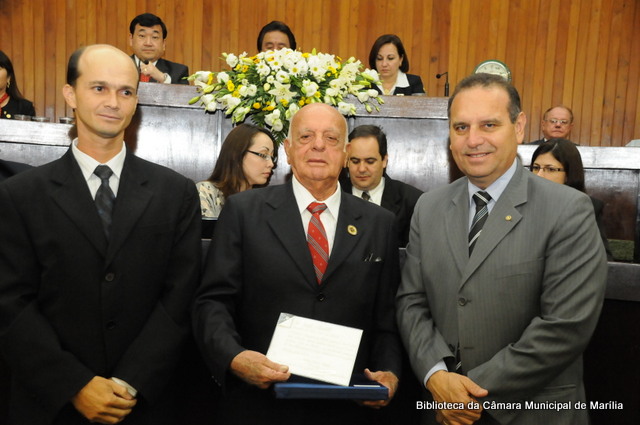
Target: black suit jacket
415,86
399,198
74,305
177,71
259,265
598,207
10,168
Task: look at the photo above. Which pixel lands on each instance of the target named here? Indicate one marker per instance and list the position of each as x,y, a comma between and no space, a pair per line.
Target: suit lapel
131,202
390,196
456,225
74,198
503,218
345,241
285,223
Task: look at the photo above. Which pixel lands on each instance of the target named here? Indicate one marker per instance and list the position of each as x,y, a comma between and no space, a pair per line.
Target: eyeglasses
264,156
556,122
546,169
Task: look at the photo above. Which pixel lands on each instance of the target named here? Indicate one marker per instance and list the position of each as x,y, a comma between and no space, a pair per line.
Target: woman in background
276,35
11,101
389,58
559,160
246,160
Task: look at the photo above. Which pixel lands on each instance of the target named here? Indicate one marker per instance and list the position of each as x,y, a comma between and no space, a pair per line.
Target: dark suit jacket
259,265
399,198
10,168
522,307
535,142
598,207
74,305
177,71
415,86
17,107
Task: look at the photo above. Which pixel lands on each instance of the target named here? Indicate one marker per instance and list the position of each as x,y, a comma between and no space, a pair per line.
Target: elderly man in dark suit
147,34
98,264
504,278
557,123
367,159
261,264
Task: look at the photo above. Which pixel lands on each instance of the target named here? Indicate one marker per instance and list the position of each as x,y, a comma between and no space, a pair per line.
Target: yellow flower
317,94
307,100
257,105
301,102
284,102
245,68
230,85
210,81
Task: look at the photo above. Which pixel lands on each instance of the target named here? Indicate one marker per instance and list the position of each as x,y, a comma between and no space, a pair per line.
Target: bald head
87,53
316,148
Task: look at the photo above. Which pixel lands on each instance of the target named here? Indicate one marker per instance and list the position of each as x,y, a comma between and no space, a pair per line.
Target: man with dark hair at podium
99,260
366,166
305,248
557,123
147,34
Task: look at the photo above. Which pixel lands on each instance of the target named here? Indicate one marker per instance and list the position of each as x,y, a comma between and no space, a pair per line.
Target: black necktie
105,199
366,196
482,212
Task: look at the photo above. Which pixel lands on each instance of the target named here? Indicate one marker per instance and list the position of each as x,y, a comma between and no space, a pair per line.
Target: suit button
111,325
109,277
462,301
320,297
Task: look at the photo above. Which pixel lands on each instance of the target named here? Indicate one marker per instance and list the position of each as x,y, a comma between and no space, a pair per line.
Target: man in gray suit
499,300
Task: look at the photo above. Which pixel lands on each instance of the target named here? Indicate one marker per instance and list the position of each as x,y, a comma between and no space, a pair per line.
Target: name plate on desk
360,389
315,349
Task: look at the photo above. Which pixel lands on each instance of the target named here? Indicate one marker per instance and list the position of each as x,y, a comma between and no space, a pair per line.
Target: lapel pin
508,218
352,230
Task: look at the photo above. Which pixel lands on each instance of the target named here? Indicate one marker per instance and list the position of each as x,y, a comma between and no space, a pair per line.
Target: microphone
446,83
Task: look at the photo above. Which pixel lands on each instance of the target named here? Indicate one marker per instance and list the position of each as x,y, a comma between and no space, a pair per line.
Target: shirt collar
88,164
304,198
402,80
497,187
372,193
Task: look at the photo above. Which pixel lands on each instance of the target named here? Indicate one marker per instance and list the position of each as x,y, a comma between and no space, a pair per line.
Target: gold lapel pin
352,230
508,218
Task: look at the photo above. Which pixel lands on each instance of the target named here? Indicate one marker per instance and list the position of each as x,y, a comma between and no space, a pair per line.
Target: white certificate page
315,349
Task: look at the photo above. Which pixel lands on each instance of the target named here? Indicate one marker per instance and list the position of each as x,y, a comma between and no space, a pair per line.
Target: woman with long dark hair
246,161
12,102
559,160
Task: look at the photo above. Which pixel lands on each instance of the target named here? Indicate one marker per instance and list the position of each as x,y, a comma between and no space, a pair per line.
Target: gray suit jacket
522,308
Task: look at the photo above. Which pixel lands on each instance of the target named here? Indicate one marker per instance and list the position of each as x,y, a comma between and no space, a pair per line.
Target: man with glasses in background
557,123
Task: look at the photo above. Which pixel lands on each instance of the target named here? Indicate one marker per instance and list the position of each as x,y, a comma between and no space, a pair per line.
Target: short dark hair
386,39
277,26
544,116
371,131
227,174
486,81
73,71
148,20
12,89
567,154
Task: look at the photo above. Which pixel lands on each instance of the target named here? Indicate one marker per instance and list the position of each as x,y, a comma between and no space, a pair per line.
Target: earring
8,83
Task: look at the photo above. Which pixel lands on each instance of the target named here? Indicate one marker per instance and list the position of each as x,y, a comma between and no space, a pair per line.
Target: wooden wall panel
581,53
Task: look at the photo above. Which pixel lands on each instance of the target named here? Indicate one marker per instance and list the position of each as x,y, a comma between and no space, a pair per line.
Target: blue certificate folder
360,388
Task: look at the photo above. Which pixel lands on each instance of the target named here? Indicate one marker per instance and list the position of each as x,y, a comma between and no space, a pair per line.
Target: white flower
222,77
363,96
372,92
263,69
309,88
209,102
272,118
291,111
240,113
282,76
252,89
346,108
278,125
371,75
232,60
282,92
229,102
202,76
270,79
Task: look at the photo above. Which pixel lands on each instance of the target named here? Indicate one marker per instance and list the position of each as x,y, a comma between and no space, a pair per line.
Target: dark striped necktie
105,199
366,196
482,212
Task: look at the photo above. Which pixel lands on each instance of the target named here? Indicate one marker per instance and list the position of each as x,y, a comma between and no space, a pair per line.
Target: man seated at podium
366,165
557,123
308,249
147,34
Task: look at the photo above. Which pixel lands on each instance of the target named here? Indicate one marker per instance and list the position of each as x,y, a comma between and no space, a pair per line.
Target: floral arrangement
273,85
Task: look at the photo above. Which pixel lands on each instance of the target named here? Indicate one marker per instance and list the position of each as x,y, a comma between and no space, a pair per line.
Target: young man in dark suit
367,159
147,34
260,265
99,259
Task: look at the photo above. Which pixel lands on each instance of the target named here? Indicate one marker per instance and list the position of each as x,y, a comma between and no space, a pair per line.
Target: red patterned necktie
317,240
144,78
